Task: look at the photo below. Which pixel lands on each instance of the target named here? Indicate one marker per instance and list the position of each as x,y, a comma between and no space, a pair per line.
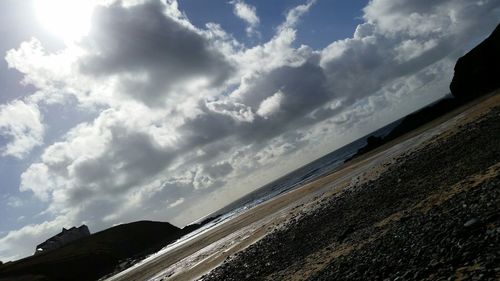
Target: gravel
458,238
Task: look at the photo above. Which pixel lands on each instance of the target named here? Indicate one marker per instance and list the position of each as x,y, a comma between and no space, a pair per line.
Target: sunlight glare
66,19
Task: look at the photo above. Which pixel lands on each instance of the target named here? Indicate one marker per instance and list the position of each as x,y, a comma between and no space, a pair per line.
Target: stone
471,222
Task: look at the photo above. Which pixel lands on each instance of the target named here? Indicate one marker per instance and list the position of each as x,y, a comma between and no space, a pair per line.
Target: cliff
478,71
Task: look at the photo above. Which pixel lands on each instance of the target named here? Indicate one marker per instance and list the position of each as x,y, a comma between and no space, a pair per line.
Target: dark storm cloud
302,89
134,153
150,51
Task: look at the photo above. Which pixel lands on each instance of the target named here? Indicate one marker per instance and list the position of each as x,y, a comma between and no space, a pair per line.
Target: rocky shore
433,214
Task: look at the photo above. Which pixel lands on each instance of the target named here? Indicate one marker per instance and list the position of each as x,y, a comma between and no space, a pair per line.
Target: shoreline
195,257
383,216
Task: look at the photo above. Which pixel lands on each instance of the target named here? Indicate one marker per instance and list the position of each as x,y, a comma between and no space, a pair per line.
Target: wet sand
230,245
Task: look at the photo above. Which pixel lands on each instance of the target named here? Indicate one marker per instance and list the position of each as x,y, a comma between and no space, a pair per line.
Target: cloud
176,203
96,159
19,243
21,124
184,114
270,105
248,14
14,202
151,54
293,16
51,73
400,38
426,18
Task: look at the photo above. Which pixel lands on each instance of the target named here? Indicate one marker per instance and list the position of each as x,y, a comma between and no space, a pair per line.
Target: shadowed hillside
96,255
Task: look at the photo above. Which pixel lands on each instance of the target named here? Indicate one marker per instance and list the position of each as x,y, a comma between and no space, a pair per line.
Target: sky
116,111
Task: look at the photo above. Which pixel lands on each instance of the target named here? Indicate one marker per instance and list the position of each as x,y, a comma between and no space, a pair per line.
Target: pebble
429,245
471,222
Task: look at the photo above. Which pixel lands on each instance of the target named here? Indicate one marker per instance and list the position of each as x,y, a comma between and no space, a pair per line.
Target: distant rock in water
372,142
192,227
478,71
411,122
63,238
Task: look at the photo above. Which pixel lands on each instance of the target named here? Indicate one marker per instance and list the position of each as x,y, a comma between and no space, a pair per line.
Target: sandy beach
439,181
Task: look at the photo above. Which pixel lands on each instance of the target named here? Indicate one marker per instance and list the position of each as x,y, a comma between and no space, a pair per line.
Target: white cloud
293,16
52,74
14,202
410,49
248,14
38,180
22,242
270,105
429,18
237,111
176,203
21,125
400,38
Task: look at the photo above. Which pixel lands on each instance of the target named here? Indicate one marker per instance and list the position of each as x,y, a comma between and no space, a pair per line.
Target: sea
306,173
290,181
303,175
294,179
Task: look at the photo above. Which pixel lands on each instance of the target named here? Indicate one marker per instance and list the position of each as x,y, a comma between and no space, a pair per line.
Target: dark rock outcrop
64,237
411,122
478,71
372,142
192,227
94,256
